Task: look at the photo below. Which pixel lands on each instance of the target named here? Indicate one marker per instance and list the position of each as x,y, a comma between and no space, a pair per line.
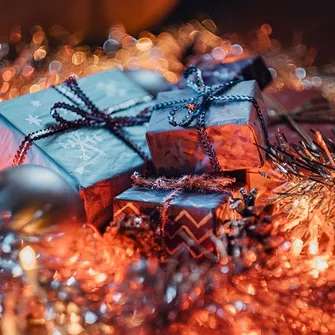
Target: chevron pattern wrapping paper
193,217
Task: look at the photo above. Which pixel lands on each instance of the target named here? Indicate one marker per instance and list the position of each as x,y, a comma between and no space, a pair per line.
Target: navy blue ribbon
90,117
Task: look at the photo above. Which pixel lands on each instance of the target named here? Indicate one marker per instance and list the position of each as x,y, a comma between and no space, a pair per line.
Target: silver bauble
35,200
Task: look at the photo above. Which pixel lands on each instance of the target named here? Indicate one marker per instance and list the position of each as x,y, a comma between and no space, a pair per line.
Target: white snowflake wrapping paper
94,160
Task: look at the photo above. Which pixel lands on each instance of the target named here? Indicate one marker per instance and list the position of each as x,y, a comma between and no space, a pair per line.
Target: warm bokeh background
288,18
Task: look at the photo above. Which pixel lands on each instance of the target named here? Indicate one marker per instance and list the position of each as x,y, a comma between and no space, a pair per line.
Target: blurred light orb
144,44
133,63
307,84
55,66
39,54
266,28
320,264
90,317
111,46
27,258
4,49
316,81
219,53
39,201
34,88
27,71
156,53
236,50
300,72
17,271
273,72
209,25
38,37
78,58
128,41
8,74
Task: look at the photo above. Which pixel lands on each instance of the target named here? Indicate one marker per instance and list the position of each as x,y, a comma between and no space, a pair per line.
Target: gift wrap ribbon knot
197,108
196,183
90,117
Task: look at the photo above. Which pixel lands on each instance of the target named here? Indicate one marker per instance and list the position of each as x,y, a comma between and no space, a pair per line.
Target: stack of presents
224,101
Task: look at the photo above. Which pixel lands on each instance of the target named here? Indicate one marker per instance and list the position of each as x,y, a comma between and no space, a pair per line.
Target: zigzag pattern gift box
96,161
193,218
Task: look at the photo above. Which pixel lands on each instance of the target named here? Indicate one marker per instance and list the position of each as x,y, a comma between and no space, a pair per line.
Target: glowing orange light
38,37
13,92
78,58
185,304
171,77
75,329
144,44
320,263
39,54
27,258
100,278
4,87
251,256
27,71
297,246
34,88
313,247
230,309
8,74
251,289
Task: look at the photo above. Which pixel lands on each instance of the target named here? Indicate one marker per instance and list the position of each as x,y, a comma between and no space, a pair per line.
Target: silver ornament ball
35,200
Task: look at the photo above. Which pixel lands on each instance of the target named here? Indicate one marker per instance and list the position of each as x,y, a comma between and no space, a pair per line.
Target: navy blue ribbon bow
197,108
90,117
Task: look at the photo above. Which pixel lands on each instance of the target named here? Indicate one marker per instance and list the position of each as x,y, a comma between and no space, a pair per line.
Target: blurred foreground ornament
35,200
36,206
152,298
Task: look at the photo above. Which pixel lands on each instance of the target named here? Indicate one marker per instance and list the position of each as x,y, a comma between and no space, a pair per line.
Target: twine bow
202,184
90,117
197,108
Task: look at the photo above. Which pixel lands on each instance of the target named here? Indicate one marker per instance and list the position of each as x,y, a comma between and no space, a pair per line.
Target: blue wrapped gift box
93,159
232,127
